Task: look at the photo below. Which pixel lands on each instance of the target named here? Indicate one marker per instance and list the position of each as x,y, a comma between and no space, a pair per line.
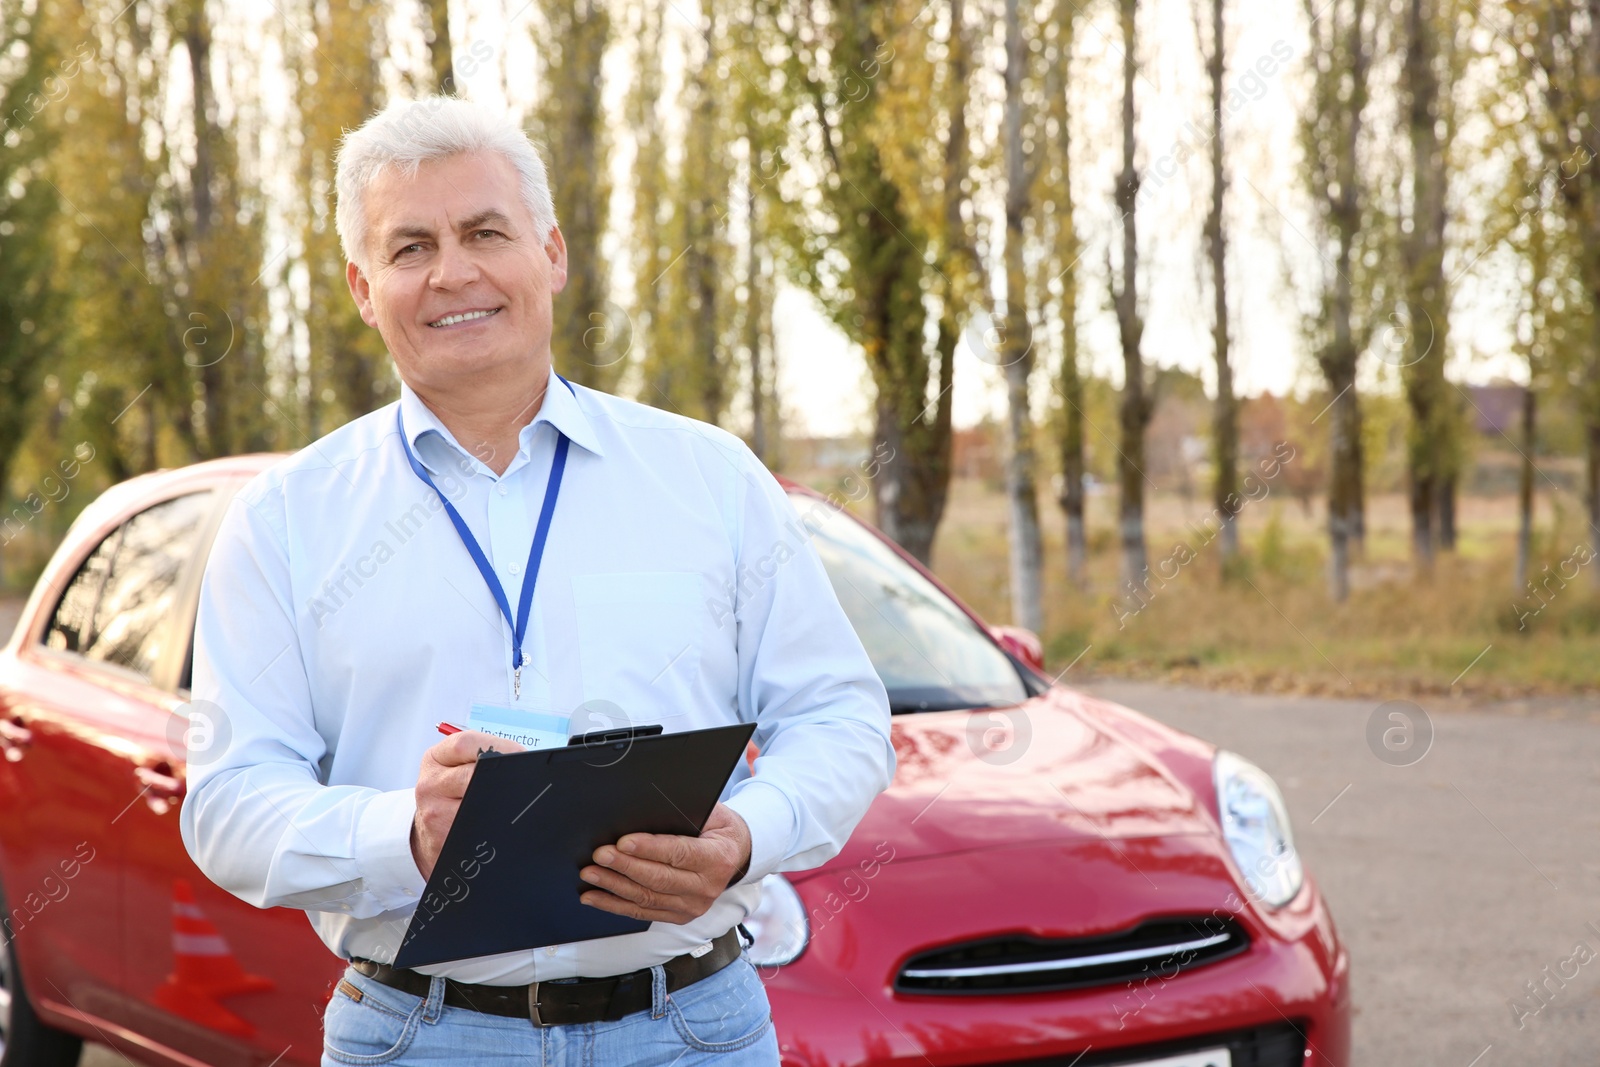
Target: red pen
448,728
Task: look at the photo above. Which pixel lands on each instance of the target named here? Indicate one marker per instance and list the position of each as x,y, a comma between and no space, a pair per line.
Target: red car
1051,879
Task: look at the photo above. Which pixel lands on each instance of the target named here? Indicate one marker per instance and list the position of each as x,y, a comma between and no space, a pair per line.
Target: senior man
379,580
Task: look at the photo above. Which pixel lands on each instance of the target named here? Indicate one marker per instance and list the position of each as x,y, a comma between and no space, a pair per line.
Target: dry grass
1272,626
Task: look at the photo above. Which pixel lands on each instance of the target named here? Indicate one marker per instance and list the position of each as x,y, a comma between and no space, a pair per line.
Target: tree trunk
1072,466
1591,480
1027,552
1444,510
152,429
912,481
1358,502
1136,407
1421,497
1344,490
1530,406
1072,471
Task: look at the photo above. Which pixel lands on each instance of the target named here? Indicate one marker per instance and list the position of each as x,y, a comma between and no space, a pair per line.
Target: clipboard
507,876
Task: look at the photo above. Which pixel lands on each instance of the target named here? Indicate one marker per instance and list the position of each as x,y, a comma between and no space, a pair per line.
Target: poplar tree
333,52
869,239
589,336
29,301
30,306
1557,44
1225,409
1430,440
1064,254
1339,330
1016,349
1138,402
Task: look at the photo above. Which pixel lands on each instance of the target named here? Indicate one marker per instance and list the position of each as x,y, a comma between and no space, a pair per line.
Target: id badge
528,728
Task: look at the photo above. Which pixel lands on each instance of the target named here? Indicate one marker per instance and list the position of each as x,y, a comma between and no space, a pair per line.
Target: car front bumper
835,1006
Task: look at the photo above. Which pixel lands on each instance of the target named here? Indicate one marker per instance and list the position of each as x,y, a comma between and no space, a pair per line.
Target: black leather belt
563,1002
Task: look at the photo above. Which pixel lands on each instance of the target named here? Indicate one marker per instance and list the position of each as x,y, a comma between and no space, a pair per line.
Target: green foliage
335,56
861,237
148,248
705,203
30,318
146,230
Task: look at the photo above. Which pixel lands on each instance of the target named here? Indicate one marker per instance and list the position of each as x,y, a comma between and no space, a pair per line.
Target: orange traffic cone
204,969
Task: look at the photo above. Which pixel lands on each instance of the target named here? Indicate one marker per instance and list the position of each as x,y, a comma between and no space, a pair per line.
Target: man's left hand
668,877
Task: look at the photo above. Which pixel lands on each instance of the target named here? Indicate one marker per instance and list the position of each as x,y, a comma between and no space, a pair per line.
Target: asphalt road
1455,879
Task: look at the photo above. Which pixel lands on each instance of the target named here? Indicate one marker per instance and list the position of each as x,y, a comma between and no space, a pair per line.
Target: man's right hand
441,783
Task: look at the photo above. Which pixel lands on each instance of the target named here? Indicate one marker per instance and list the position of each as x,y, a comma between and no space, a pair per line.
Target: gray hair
408,133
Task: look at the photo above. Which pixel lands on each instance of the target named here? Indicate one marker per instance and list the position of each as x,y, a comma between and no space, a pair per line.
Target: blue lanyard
519,623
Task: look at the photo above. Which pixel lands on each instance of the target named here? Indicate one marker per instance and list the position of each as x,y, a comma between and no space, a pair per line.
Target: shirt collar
560,408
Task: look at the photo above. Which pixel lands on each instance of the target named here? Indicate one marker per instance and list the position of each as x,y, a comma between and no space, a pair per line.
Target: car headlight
1255,823
778,924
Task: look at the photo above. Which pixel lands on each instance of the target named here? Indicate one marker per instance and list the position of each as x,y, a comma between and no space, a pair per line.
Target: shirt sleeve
821,711
258,820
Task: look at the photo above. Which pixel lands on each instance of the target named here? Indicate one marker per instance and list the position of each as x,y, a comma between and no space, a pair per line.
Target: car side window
72,625
118,607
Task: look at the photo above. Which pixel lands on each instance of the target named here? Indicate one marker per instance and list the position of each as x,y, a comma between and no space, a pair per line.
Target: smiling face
458,280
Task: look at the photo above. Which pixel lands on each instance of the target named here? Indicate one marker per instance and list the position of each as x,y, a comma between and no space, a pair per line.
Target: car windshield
929,653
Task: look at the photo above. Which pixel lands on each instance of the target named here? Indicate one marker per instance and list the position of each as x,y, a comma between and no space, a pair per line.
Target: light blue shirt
341,618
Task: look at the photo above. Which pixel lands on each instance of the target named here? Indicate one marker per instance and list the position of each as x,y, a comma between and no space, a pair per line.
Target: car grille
1280,1045
1161,948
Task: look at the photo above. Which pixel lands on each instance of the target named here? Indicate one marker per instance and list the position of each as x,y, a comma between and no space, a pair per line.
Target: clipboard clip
612,736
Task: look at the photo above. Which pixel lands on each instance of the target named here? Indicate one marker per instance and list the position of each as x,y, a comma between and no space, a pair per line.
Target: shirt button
515,568
550,950
502,490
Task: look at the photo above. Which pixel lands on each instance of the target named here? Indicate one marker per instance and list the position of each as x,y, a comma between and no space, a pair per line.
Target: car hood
868,920
1060,768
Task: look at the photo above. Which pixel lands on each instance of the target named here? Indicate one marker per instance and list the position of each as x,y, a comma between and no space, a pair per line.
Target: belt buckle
533,1005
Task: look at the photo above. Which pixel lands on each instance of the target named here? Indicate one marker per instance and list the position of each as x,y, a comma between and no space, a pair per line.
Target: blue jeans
723,1019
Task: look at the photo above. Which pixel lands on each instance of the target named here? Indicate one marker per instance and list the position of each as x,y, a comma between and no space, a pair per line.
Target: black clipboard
507,876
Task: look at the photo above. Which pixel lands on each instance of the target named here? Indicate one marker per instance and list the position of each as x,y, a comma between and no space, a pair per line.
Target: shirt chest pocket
639,640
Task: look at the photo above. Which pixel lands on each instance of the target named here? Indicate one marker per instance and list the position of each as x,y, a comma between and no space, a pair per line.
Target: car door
205,973
61,789
84,680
